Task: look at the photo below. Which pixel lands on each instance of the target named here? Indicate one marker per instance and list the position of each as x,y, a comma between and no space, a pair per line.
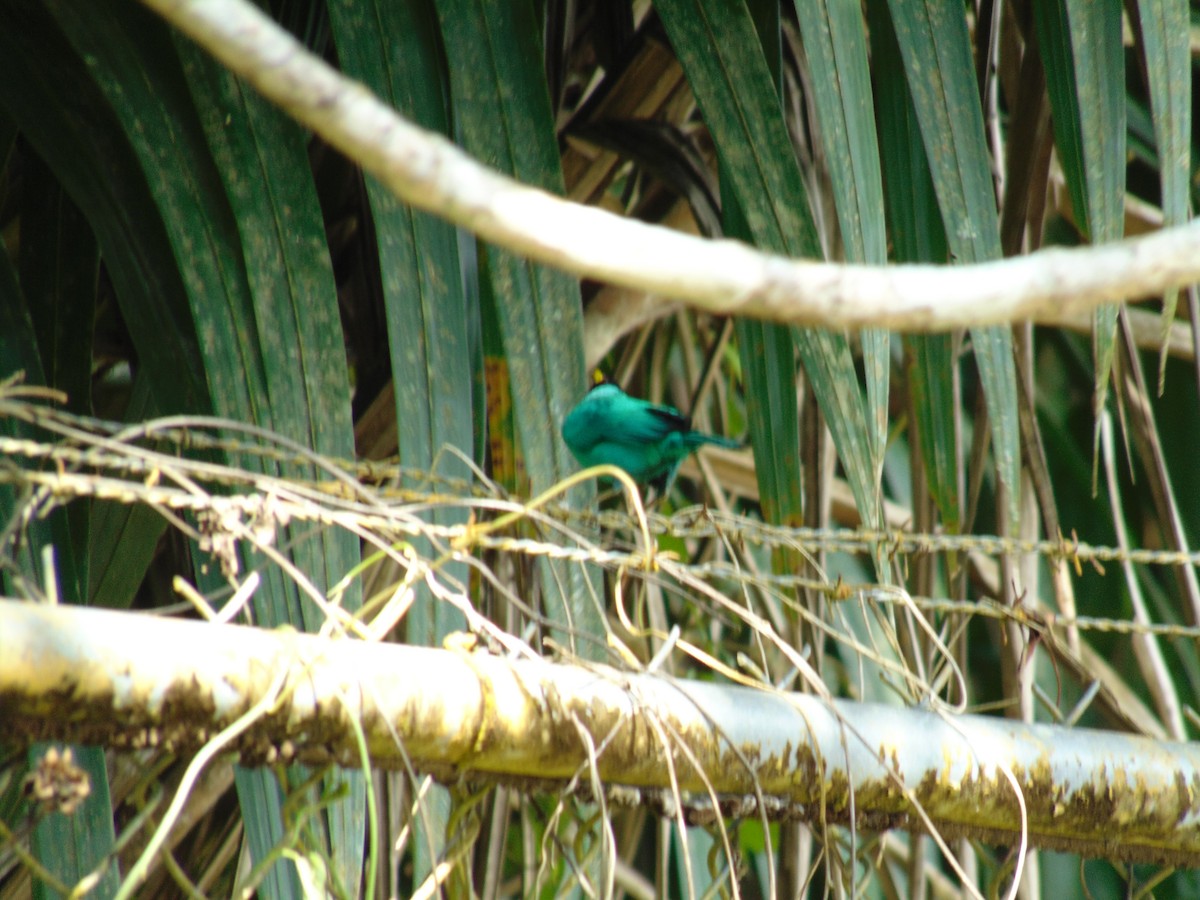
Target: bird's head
602,385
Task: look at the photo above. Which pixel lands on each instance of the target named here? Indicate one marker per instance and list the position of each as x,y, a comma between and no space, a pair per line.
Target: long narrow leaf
124,538
720,51
918,236
59,265
89,152
261,158
768,350
71,846
501,104
935,46
266,311
1164,30
394,49
1085,79
836,46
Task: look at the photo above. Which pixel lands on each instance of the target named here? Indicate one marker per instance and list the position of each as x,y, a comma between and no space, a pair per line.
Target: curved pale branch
723,277
123,679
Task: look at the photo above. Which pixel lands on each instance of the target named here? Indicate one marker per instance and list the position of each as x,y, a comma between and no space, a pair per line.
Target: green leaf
292,329
1085,80
936,51
724,61
19,355
1164,33
394,48
835,44
932,361
768,350
88,151
70,846
260,156
502,107
836,47
59,265
769,369
245,229
132,61
73,846
918,236
123,537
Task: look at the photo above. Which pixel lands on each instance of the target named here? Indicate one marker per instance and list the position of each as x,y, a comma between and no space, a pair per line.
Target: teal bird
646,440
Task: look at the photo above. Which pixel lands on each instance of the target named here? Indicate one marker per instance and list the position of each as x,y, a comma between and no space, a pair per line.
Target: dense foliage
177,246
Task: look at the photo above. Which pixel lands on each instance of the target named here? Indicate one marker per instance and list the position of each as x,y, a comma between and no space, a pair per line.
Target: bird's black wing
655,422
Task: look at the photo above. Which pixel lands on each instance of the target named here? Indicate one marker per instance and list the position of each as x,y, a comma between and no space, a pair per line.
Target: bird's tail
697,439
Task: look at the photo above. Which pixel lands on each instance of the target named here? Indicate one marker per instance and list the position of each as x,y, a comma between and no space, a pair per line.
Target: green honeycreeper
646,440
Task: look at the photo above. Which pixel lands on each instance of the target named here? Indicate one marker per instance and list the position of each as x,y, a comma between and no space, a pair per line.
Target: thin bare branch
719,276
